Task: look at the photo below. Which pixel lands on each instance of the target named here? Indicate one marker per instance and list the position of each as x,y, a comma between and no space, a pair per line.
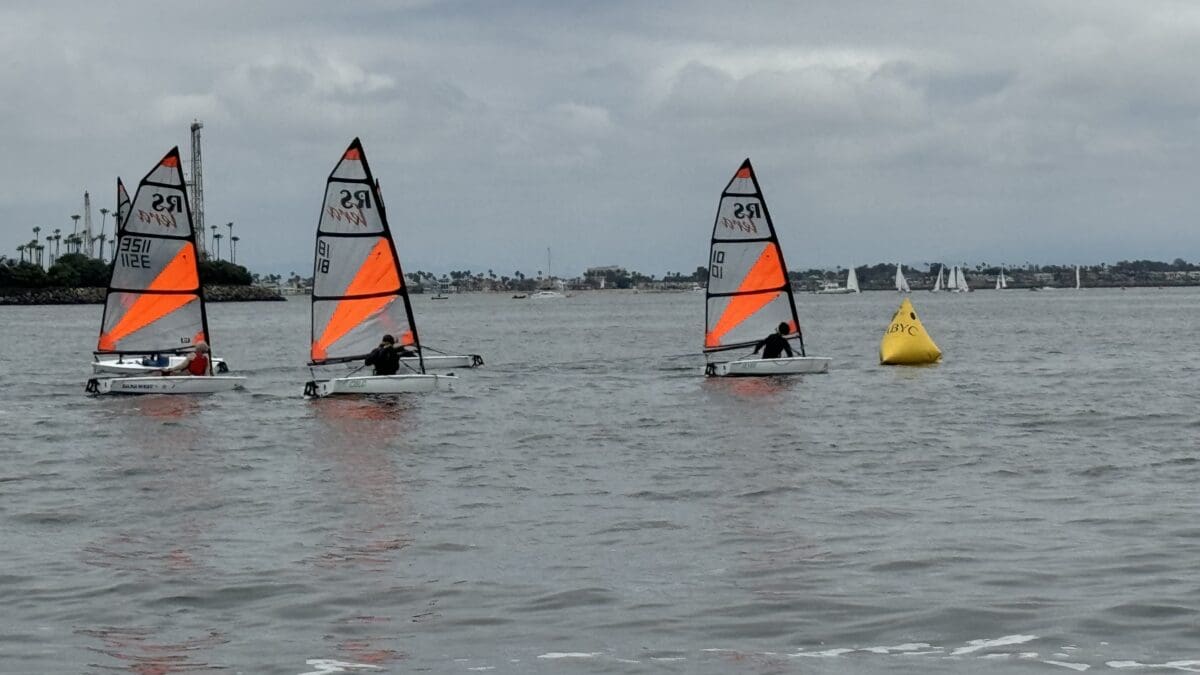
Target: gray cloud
910,131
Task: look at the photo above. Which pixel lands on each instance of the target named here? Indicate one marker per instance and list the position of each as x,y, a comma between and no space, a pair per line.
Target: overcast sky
913,131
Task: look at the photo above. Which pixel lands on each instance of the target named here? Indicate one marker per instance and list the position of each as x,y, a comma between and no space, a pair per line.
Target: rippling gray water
588,502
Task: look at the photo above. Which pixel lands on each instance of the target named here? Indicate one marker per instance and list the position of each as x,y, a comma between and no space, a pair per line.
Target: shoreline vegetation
76,279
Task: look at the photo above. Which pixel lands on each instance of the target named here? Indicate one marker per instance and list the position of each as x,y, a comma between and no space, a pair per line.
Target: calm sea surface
588,502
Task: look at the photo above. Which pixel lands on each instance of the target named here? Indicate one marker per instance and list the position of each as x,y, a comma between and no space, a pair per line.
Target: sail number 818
322,256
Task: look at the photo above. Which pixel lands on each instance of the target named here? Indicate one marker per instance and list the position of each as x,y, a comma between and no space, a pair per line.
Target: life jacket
198,365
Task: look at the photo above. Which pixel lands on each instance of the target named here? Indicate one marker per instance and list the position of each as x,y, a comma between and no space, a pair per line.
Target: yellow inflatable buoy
906,343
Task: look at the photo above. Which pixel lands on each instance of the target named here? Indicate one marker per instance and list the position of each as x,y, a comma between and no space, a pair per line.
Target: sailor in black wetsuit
775,344
386,357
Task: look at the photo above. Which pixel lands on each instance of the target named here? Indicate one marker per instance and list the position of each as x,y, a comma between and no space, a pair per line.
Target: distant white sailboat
957,281
1001,282
901,282
938,284
548,293
1077,277
831,288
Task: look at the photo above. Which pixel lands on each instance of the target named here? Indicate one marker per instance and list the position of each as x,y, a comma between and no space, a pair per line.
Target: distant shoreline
95,296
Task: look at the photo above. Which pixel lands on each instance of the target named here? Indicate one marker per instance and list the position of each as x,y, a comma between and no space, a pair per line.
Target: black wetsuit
773,345
386,360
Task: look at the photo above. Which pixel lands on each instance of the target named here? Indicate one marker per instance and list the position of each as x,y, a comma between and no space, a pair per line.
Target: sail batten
748,292
358,286
154,302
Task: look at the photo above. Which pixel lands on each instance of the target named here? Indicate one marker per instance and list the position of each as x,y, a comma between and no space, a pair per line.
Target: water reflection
750,387
137,652
359,440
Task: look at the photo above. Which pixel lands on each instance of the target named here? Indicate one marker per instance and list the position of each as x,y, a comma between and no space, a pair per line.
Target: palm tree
102,238
233,248
217,243
57,236
76,219
214,236
36,231
103,213
21,250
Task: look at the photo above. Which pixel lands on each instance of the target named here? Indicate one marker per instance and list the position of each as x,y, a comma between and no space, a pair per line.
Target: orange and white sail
748,293
358,287
155,303
123,204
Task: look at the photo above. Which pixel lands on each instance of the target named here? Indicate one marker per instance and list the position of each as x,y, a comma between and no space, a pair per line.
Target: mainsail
358,288
937,284
748,293
154,302
901,282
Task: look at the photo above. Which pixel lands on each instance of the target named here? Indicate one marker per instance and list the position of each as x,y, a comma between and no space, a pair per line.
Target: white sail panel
350,208
741,217
160,206
852,280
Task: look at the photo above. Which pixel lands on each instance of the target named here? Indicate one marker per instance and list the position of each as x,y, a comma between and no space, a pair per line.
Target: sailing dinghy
359,293
138,364
749,293
155,304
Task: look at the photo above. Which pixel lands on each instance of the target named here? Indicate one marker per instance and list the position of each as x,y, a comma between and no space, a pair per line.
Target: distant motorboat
547,295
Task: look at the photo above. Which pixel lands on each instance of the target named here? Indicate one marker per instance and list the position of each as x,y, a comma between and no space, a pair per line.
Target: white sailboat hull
381,384
836,291
445,361
547,295
133,366
173,384
758,367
